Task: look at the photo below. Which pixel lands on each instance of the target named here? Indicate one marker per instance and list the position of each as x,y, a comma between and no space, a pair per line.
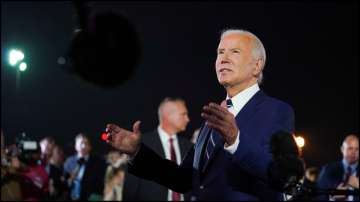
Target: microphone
286,169
105,50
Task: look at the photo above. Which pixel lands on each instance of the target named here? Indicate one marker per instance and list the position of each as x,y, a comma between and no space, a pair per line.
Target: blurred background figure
114,177
342,174
46,145
57,183
165,141
84,172
34,178
115,159
10,182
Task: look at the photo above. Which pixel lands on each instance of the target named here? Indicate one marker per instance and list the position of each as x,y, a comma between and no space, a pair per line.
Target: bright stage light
22,66
15,56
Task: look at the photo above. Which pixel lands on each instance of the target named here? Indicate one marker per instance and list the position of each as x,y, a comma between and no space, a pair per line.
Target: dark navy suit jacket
238,176
137,189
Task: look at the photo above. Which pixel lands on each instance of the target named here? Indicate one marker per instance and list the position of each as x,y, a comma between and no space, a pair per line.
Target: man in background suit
231,157
84,171
165,141
342,174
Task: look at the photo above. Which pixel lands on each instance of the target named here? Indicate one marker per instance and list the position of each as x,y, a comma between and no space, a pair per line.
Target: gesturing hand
219,118
124,140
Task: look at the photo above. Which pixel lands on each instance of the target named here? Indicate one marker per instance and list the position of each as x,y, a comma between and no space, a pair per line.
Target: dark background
312,63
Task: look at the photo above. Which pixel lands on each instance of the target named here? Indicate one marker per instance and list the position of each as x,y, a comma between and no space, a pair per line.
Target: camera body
26,149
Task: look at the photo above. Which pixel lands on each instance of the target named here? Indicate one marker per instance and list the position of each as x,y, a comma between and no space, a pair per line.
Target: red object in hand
104,136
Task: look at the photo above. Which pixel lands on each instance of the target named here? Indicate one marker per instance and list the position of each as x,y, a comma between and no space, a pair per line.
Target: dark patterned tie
347,175
214,139
175,195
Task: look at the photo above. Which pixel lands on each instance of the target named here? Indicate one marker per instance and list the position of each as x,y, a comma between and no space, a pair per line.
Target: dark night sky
312,51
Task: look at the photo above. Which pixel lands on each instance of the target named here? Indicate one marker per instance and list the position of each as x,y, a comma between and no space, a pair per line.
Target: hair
351,136
82,135
166,100
258,49
49,139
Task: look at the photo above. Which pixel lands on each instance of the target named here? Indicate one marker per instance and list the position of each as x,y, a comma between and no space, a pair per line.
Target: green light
22,66
15,56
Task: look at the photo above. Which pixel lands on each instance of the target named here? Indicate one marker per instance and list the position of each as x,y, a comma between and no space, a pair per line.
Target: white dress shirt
165,137
239,102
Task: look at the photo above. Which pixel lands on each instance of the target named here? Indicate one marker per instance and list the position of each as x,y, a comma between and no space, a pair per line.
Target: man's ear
258,66
342,149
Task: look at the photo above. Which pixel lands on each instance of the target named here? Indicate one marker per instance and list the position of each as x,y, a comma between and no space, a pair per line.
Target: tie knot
229,103
171,140
81,161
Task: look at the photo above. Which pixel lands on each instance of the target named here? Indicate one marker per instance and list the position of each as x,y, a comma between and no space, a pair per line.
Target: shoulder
276,104
70,163
150,136
331,167
70,159
183,140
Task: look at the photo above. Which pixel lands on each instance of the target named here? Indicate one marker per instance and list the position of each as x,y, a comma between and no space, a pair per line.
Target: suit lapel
157,145
249,109
200,145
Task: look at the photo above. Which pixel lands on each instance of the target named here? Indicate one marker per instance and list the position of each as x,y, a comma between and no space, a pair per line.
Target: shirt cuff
232,148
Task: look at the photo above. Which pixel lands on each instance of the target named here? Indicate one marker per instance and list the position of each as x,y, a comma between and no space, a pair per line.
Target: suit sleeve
253,153
148,165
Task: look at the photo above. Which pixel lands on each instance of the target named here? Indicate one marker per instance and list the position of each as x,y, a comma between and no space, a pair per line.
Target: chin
224,82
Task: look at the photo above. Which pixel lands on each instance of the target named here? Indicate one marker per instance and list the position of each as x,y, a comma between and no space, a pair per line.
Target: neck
233,90
82,155
169,130
57,164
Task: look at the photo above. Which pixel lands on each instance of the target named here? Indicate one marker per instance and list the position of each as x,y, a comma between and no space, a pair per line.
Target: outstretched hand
219,118
124,140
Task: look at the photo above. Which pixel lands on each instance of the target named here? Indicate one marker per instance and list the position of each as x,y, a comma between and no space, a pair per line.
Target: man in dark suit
84,171
231,157
173,118
342,174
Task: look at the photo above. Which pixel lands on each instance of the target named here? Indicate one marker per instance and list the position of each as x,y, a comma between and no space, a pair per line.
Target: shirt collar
86,157
240,99
164,136
353,166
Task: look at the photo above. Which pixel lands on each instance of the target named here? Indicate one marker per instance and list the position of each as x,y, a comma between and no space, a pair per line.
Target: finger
136,127
214,112
223,104
219,107
217,127
113,127
212,119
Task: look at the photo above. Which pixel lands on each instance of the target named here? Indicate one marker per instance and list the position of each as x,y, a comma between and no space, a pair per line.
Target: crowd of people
47,174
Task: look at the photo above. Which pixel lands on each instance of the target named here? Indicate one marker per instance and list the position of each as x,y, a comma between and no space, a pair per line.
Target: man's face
82,146
46,147
235,63
350,150
179,116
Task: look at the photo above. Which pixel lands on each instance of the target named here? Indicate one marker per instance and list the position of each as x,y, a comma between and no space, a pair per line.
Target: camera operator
32,177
